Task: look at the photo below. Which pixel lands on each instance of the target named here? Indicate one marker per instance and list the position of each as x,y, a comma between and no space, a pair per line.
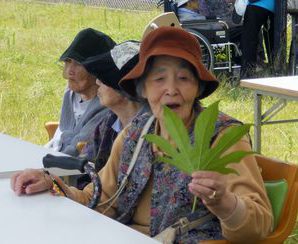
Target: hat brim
71,55
211,83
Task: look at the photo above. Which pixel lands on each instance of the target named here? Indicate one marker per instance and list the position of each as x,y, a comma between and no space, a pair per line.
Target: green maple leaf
199,156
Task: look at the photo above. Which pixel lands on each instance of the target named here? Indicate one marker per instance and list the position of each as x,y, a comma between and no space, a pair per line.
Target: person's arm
54,143
109,180
32,181
84,135
252,218
240,201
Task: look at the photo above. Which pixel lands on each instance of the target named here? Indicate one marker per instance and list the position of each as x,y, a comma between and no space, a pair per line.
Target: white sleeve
55,142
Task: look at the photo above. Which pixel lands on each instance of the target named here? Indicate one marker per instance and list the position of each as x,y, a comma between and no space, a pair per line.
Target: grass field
33,36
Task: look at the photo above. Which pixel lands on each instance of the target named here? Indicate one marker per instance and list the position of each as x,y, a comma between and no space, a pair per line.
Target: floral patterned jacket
170,199
98,149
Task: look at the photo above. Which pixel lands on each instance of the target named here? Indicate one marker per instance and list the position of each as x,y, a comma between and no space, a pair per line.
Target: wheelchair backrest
215,31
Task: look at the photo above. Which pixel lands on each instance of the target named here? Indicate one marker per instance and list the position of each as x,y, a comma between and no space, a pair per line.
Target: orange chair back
272,169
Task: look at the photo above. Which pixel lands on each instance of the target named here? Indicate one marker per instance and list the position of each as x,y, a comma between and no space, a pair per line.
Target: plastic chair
274,170
51,127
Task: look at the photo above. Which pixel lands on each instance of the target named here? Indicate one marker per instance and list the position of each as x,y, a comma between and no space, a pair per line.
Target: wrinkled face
170,81
79,80
108,96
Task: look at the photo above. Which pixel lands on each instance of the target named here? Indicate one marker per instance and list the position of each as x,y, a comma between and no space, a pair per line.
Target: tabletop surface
285,85
17,155
47,219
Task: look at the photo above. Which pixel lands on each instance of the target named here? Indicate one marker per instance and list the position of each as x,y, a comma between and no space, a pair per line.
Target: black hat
88,42
112,66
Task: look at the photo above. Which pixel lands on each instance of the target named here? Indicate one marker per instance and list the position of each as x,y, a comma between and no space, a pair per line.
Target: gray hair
140,84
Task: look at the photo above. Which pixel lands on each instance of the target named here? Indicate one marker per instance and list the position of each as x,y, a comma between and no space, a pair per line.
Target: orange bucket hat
174,42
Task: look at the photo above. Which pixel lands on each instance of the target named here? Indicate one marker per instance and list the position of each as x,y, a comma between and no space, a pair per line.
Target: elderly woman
120,108
154,196
81,109
106,68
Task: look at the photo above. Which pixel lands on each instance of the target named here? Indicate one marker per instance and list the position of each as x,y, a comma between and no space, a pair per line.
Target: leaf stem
194,204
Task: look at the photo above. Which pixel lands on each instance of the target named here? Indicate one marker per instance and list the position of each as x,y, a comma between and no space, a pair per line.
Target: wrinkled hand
30,181
211,188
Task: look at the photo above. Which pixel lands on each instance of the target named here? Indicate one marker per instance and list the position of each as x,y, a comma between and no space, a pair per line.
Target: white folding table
17,155
285,88
47,219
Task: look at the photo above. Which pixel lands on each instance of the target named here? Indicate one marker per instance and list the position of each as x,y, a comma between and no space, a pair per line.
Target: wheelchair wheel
207,51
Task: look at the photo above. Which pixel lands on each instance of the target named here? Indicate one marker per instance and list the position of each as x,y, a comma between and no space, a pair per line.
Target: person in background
189,10
109,68
81,109
256,15
217,10
154,197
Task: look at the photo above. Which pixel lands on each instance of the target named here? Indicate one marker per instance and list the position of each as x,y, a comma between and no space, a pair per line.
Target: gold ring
212,196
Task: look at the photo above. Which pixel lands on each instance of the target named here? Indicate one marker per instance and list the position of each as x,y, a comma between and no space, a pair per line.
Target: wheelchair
219,52
221,46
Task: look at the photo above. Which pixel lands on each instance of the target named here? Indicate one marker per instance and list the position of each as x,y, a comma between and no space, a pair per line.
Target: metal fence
144,5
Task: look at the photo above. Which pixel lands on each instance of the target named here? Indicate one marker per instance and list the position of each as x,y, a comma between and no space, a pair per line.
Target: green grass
279,141
33,36
293,238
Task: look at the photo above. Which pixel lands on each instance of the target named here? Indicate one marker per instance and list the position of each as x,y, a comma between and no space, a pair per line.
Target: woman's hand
211,188
30,181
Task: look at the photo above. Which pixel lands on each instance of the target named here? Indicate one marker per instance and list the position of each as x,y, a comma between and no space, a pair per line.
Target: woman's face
108,96
79,80
171,82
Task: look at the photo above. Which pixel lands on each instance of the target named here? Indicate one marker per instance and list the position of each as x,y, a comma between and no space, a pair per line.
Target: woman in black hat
81,109
109,68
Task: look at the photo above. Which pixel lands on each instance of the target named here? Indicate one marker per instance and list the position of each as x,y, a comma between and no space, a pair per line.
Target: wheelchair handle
51,161
64,162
